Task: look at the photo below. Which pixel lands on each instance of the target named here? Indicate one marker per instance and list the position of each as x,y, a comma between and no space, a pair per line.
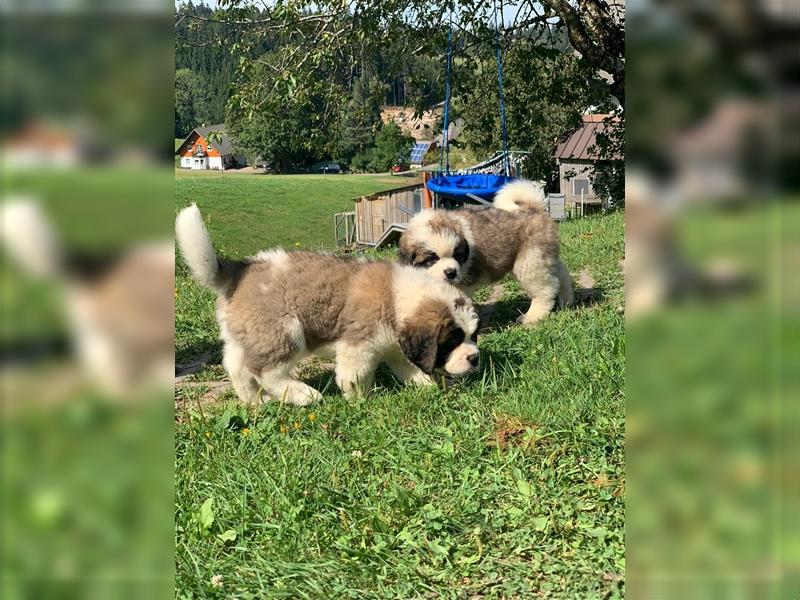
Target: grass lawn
246,212
508,484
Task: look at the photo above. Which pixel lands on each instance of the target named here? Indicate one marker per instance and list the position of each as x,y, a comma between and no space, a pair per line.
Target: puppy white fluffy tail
522,194
30,238
196,248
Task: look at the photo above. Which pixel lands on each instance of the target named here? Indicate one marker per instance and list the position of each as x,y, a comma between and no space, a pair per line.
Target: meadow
248,211
507,484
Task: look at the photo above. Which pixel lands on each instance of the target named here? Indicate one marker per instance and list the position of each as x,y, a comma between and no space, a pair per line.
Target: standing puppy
474,247
276,308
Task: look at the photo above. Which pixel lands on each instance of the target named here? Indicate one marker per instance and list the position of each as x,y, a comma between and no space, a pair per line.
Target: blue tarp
484,185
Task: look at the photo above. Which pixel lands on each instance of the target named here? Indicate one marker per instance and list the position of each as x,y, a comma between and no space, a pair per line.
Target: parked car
326,167
400,167
264,166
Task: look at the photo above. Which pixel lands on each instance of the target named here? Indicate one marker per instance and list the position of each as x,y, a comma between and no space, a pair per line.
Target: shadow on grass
500,314
29,351
196,358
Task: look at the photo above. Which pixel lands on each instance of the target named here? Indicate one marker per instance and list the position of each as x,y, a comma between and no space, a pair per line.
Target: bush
392,146
361,161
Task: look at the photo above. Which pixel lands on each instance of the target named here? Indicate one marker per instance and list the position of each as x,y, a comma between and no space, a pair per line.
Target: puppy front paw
300,394
421,378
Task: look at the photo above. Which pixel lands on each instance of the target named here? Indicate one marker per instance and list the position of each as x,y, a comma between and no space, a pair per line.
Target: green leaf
205,516
224,420
524,488
227,536
407,537
445,449
438,550
514,512
539,523
598,532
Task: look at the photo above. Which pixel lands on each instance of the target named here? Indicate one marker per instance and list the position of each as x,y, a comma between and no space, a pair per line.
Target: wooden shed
577,156
382,216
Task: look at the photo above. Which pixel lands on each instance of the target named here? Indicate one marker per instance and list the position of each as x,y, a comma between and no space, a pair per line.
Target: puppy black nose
450,273
474,359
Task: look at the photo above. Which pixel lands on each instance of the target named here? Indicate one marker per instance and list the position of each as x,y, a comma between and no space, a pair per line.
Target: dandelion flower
312,417
284,429
216,581
208,434
246,431
297,425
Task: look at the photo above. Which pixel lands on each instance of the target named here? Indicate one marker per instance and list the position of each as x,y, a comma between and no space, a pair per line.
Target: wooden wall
376,212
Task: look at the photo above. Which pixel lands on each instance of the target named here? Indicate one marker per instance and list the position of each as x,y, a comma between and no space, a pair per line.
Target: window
417,201
198,149
580,185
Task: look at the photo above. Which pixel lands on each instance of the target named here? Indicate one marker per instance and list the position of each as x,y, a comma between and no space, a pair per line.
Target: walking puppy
276,308
474,247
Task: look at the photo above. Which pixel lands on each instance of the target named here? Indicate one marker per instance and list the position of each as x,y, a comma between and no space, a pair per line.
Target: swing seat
483,185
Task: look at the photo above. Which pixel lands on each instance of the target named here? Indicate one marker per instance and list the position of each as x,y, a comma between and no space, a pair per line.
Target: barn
198,152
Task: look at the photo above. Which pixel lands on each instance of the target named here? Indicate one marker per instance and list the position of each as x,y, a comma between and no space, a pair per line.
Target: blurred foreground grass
712,420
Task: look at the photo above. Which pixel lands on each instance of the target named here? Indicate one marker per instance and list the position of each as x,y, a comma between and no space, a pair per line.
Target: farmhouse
199,152
42,145
577,155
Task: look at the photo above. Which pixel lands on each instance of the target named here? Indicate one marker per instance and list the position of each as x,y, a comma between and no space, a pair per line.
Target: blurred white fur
122,318
29,237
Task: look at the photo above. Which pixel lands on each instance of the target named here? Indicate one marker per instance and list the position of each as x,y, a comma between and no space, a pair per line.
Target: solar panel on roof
419,150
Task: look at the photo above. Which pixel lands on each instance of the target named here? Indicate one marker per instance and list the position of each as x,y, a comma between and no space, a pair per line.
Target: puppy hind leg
281,386
244,384
539,278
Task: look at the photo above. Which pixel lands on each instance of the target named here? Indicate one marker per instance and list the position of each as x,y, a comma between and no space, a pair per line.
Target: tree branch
605,52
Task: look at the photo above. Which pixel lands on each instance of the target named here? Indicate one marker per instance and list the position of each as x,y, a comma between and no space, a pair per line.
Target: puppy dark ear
406,255
419,345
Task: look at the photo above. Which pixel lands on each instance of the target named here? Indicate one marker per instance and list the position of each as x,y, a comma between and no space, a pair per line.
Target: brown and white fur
277,307
473,247
120,308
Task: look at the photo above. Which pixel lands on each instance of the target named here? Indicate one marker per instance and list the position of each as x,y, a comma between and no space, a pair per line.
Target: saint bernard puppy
278,307
471,247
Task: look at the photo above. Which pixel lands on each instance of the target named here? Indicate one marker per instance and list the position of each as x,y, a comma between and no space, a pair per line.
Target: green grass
408,493
249,212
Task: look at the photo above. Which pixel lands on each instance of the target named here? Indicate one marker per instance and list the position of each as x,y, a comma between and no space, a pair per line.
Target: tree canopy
325,69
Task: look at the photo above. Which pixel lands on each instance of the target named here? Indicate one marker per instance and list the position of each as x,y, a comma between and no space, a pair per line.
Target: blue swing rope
444,162
503,125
